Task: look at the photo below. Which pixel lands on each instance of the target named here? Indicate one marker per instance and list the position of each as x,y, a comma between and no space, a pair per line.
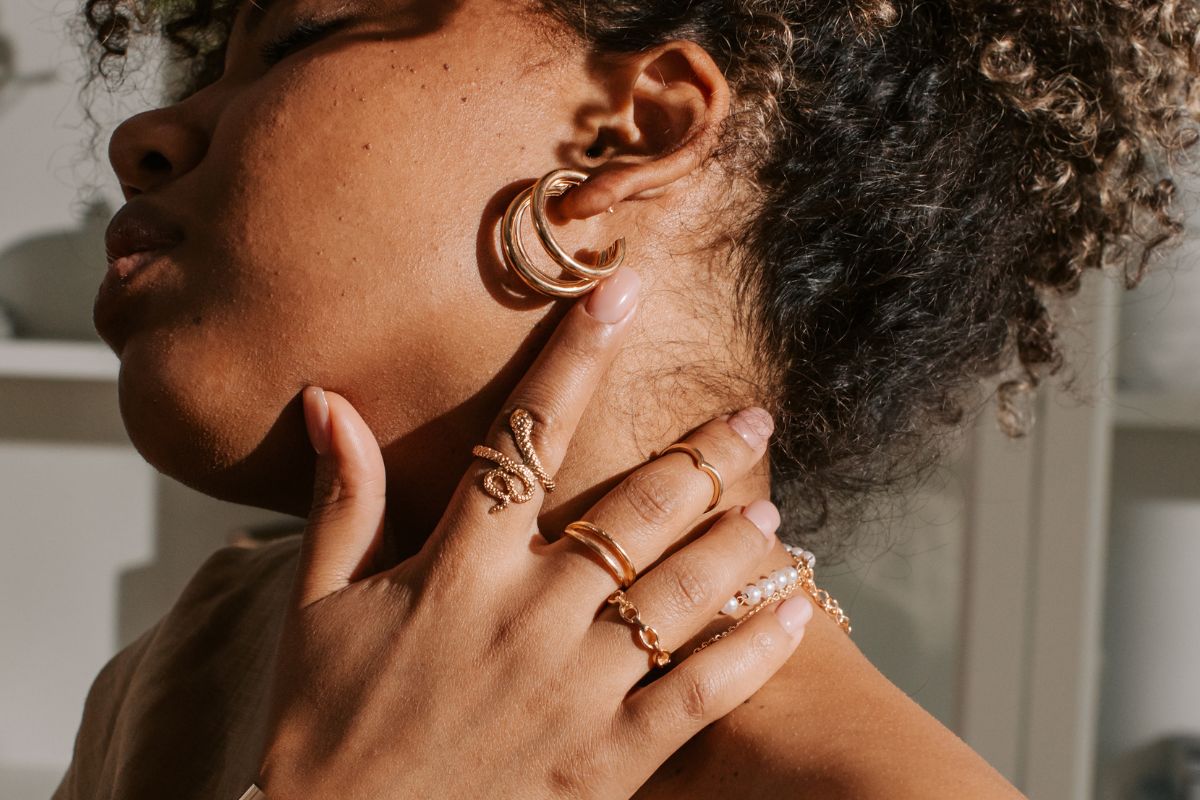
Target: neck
661,386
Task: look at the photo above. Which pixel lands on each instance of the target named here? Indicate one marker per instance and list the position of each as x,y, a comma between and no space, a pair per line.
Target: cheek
344,248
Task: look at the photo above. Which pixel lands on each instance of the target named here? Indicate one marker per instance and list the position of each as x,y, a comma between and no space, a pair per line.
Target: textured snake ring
605,546
701,464
510,482
647,636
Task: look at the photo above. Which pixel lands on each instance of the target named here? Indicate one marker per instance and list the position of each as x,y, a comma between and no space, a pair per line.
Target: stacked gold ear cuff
552,184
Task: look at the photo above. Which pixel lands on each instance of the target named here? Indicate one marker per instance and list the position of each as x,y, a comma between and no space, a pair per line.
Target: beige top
178,713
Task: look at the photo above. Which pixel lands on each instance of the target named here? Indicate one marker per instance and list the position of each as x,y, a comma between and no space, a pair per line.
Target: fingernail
316,417
614,297
794,613
764,515
754,425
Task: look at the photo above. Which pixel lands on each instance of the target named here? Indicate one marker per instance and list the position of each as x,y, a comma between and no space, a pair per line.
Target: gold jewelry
699,462
552,184
647,636
822,597
501,482
609,550
804,561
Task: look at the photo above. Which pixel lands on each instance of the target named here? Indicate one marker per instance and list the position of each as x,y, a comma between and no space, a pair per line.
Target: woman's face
340,211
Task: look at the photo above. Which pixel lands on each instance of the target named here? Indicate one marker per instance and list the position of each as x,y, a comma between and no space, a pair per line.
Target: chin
203,425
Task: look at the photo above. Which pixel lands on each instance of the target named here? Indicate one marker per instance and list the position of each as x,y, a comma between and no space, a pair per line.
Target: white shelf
1163,410
57,360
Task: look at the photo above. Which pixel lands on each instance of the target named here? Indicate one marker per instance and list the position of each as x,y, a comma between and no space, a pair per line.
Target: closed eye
303,34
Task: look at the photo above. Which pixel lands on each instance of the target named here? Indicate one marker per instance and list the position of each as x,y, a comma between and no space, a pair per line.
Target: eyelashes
303,34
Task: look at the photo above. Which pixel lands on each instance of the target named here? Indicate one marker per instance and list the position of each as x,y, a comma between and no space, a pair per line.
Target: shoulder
240,570
231,602
827,725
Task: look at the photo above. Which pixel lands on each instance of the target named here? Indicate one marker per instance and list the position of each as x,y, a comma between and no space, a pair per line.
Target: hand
490,664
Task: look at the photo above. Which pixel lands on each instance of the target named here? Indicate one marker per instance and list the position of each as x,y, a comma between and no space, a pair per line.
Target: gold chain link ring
647,636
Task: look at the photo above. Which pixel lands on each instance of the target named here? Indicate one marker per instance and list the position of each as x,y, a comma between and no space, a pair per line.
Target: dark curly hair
928,173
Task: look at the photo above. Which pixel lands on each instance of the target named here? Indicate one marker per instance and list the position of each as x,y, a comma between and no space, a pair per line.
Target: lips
138,236
138,228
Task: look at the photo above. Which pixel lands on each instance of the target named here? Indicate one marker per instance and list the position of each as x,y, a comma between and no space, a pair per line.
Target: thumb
345,525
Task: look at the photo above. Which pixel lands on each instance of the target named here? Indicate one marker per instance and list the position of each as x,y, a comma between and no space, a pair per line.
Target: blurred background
1039,596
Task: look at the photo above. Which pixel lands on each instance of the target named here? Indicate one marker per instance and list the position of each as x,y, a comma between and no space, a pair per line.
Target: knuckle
651,496
693,584
548,410
698,694
763,643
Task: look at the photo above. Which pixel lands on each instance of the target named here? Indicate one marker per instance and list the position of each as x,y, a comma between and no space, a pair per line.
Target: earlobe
668,104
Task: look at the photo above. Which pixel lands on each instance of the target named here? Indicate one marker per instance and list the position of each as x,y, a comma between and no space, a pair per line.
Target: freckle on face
342,231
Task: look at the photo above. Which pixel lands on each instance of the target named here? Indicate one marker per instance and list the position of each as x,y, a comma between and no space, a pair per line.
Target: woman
845,213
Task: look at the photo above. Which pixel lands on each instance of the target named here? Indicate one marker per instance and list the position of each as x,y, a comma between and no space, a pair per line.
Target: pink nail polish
754,425
611,301
794,614
316,418
764,515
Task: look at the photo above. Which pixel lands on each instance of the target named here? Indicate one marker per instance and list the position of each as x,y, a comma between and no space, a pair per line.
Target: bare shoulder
827,725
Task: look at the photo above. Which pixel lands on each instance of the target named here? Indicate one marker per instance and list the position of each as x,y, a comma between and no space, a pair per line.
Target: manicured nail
614,297
754,425
316,417
794,613
764,515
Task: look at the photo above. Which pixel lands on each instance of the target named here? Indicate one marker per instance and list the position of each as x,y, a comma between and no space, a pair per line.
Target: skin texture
340,212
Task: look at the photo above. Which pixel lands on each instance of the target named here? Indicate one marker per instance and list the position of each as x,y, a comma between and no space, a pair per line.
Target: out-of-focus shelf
1165,410
57,360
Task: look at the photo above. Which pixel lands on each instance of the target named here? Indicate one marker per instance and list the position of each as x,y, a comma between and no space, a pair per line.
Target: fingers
659,502
345,525
688,589
658,718
555,392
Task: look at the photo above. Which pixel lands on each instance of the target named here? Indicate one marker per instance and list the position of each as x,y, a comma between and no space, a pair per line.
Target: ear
666,106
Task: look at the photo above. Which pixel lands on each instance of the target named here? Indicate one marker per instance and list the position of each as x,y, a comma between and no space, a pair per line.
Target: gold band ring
701,464
647,636
609,550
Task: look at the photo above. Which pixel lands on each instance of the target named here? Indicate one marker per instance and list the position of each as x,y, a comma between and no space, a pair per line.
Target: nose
153,148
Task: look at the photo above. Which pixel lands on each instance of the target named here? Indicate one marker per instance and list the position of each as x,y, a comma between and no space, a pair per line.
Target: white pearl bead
768,587
731,605
780,577
753,593
793,575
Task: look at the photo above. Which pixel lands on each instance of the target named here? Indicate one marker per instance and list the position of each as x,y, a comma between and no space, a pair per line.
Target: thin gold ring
701,464
605,546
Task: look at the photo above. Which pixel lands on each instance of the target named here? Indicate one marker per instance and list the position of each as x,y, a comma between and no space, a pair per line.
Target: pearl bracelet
754,593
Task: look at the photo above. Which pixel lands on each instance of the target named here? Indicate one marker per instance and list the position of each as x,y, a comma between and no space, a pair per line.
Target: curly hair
928,174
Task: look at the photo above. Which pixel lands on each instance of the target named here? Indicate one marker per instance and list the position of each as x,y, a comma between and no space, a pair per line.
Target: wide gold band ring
701,464
609,550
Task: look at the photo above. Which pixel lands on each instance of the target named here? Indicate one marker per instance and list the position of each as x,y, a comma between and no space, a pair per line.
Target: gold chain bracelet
803,561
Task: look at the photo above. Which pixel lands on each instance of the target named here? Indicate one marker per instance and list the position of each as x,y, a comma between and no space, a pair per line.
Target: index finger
555,391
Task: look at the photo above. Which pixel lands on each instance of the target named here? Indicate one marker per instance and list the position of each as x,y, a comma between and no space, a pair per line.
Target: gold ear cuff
552,184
